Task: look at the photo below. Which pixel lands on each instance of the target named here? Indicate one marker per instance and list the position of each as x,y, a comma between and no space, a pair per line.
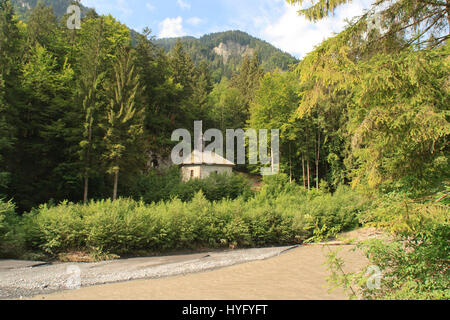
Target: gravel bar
21,279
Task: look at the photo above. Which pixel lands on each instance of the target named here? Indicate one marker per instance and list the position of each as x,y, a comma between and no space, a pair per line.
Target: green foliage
414,263
421,23
227,106
6,212
10,43
124,120
203,49
127,227
24,7
322,214
11,238
216,187
160,95
42,27
274,106
248,79
388,111
400,138
163,186
6,141
99,42
320,9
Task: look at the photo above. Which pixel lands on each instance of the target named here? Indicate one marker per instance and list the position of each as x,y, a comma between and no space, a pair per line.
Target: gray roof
206,157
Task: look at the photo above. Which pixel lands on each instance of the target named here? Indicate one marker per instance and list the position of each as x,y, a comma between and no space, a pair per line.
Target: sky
272,20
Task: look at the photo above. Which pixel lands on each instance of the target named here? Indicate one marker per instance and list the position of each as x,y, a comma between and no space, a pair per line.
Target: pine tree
124,121
183,69
320,9
100,40
11,52
249,76
417,21
202,88
42,26
6,141
89,85
189,100
160,95
11,95
41,141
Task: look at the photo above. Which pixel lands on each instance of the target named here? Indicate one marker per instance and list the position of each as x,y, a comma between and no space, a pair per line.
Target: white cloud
150,7
183,4
296,35
194,21
171,27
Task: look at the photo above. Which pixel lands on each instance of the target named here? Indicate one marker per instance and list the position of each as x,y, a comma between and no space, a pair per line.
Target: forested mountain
364,108
23,8
224,52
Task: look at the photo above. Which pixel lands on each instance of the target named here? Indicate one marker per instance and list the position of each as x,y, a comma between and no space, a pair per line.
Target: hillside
224,51
24,7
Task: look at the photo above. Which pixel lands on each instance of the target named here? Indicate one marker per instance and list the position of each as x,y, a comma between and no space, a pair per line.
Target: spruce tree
5,141
161,95
100,40
11,95
89,84
124,119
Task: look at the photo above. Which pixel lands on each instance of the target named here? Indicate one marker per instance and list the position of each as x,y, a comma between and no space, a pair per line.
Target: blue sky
272,20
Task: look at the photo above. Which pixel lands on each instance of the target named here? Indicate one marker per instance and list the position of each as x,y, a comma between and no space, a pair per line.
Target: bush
415,264
321,212
166,185
10,233
129,227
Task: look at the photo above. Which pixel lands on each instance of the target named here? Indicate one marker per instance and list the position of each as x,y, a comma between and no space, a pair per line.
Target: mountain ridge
223,51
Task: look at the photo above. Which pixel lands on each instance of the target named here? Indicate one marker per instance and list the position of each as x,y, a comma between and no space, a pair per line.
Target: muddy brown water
298,274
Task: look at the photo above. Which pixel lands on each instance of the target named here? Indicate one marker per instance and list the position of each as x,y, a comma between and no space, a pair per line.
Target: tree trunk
272,160
272,167
88,164
88,151
290,164
317,160
116,182
303,170
86,186
279,161
307,168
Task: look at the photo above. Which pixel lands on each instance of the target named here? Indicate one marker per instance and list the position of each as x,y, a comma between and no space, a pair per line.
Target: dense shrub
319,210
10,236
128,227
6,214
414,263
165,185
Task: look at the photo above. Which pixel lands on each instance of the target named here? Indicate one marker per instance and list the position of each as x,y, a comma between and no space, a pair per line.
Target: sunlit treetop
320,9
423,23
